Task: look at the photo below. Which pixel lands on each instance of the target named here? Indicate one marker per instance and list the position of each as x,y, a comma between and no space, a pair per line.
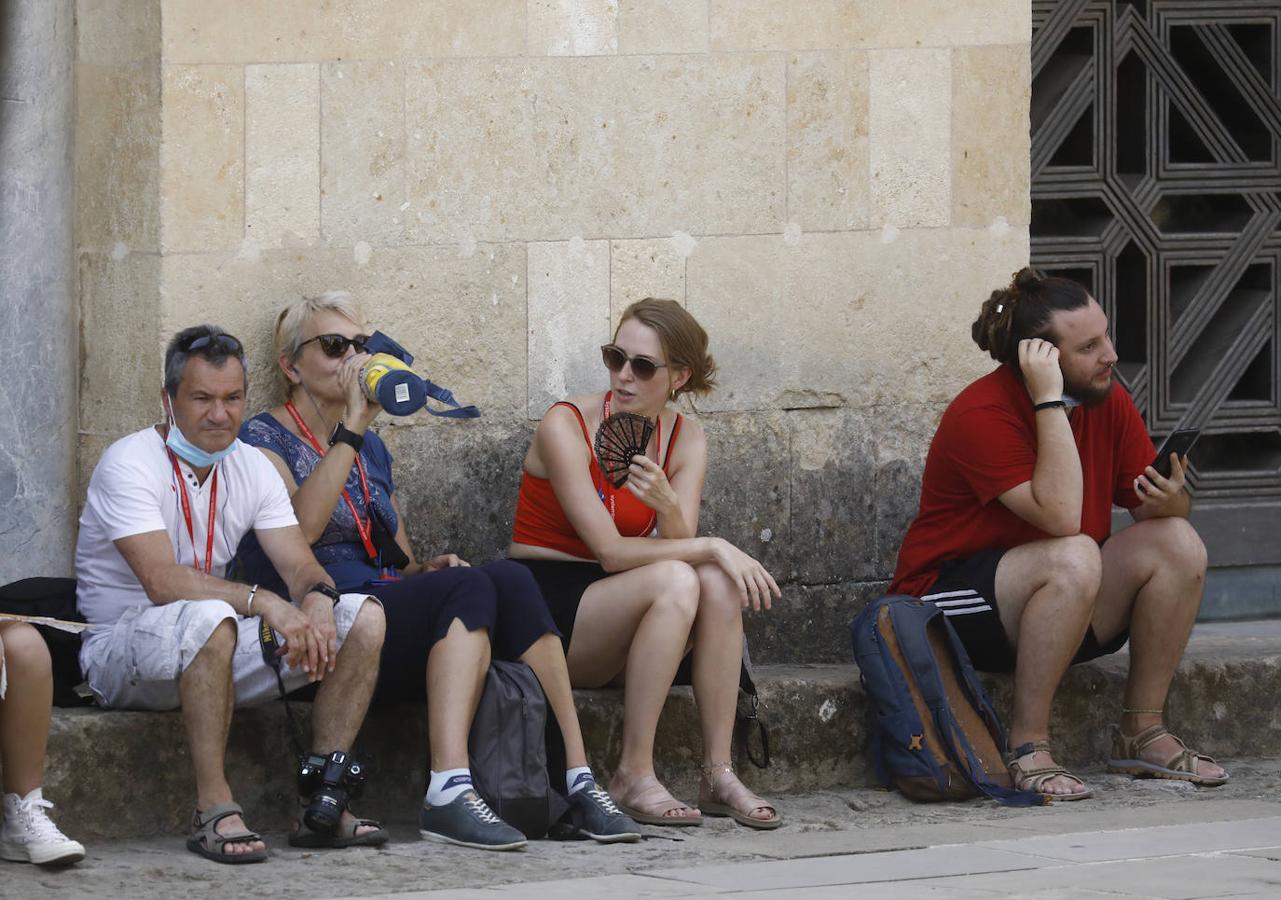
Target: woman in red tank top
629,582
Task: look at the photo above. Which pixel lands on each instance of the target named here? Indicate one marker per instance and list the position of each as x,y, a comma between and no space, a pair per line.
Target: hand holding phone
1177,444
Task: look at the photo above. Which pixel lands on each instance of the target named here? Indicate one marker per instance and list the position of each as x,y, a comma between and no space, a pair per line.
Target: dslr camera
331,782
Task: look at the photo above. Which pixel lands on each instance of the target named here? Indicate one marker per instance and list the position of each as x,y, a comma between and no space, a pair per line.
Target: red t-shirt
985,445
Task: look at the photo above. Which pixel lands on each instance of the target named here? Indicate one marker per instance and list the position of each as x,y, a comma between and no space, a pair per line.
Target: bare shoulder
691,428
691,444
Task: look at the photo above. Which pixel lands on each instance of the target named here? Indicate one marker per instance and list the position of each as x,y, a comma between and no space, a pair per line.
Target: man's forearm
305,577
179,582
1057,482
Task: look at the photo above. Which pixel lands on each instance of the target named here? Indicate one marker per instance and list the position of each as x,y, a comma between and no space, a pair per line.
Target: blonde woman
444,618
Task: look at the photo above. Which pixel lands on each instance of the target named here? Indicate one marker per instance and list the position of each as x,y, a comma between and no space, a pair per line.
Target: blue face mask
178,443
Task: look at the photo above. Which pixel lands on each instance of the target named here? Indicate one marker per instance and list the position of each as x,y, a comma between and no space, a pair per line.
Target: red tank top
540,521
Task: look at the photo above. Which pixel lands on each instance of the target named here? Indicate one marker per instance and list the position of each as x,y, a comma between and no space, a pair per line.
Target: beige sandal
646,801
719,795
1035,779
1127,758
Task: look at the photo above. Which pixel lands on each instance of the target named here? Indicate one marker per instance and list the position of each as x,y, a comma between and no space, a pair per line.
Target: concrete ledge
129,774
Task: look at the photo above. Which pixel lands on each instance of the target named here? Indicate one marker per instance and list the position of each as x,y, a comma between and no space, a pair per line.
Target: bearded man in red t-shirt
1013,538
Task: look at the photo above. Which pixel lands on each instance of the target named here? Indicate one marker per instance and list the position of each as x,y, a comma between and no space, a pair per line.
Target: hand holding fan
619,438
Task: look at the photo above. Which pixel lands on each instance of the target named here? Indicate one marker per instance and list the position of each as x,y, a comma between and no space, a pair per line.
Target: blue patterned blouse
339,548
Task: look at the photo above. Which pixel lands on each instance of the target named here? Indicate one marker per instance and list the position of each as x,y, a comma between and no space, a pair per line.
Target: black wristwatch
342,435
1048,404
328,590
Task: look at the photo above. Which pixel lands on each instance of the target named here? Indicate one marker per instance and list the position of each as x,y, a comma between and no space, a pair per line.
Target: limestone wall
830,186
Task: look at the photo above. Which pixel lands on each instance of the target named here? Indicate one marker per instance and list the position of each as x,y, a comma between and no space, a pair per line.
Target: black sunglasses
642,366
335,345
201,341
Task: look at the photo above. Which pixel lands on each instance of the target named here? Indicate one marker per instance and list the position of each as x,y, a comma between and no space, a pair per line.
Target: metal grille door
1156,180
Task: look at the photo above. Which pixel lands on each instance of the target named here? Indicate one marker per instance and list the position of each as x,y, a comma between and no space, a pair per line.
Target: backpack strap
746,715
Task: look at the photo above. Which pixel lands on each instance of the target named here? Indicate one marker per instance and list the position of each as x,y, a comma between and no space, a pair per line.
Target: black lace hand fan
619,438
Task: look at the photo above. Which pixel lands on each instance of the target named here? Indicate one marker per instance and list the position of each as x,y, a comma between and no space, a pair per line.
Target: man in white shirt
166,509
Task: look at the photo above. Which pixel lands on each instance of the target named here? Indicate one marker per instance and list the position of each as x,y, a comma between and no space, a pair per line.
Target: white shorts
136,663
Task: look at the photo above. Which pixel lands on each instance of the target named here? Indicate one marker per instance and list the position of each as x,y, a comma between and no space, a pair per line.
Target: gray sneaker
596,816
469,822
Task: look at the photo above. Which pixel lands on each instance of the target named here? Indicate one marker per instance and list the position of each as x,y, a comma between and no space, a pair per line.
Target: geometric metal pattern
1156,181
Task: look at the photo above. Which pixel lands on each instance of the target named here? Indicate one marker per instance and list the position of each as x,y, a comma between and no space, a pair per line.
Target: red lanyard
186,514
364,529
608,490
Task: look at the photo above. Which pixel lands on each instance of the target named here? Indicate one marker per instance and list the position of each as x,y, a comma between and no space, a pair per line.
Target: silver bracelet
249,607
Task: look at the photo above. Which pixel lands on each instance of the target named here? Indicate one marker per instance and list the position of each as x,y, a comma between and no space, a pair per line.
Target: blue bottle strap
446,396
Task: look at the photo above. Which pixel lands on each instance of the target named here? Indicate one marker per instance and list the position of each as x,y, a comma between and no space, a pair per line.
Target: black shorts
562,584
966,592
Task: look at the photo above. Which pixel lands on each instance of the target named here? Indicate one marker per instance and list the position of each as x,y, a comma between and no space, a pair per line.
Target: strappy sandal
740,802
304,837
646,801
205,841
1127,758
1035,779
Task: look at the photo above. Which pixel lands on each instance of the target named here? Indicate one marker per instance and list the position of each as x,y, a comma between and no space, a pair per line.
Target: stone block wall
831,187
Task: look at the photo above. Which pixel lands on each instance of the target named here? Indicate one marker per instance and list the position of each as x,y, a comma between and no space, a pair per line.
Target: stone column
38,320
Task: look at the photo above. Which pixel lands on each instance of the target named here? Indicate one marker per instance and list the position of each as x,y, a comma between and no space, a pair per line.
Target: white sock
445,786
578,778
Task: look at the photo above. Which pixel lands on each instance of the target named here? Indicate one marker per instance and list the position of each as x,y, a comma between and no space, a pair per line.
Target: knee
678,587
370,625
1178,545
509,577
25,650
1076,564
717,593
210,623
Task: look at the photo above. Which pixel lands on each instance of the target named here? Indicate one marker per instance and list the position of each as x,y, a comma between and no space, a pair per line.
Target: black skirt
563,584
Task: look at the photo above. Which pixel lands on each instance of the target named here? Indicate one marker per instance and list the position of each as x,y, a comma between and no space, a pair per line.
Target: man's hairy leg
1153,576
1045,592
207,697
343,697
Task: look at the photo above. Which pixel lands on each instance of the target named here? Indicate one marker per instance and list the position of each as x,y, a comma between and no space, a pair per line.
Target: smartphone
1179,442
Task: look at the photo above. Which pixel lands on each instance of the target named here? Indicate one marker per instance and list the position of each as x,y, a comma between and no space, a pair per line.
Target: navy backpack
935,735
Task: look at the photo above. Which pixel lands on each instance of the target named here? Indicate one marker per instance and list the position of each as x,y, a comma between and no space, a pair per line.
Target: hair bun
1027,277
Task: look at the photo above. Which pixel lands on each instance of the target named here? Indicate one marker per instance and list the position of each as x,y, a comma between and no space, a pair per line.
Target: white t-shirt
134,491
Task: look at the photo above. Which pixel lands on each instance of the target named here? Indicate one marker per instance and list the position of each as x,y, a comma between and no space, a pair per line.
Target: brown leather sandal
1127,758
720,793
1034,779
647,801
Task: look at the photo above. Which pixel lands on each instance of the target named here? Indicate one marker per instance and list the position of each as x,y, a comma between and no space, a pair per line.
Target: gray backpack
507,746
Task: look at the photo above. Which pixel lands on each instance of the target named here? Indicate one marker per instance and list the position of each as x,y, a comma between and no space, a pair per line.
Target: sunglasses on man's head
335,345
201,341
642,366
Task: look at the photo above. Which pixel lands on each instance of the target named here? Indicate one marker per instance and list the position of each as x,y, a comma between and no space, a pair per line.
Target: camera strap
270,655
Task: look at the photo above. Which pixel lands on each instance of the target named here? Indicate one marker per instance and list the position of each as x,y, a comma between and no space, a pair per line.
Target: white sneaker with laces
29,835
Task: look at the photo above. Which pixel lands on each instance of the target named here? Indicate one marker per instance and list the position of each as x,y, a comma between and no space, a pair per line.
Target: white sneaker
29,835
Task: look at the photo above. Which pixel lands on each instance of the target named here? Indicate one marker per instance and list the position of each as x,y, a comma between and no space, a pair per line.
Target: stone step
129,774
